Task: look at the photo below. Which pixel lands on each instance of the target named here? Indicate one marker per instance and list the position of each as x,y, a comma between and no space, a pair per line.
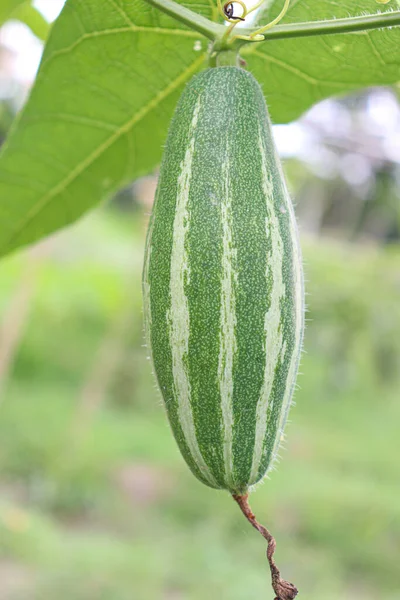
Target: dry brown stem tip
283,589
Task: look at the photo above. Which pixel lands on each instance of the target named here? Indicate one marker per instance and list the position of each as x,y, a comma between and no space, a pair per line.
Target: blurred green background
96,502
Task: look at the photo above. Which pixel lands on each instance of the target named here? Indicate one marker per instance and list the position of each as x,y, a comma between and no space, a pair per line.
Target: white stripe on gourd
178,314
298,287
228,346
272,323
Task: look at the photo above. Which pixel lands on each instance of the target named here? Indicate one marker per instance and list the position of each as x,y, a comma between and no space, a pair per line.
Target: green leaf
207,8
109,81
297,73
98,114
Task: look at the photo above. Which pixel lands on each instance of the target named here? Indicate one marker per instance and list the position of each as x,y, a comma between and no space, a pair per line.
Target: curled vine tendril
227,11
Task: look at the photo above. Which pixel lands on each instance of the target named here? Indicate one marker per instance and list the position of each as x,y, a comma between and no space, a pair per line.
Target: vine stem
215,31
283,589
190,18
330,27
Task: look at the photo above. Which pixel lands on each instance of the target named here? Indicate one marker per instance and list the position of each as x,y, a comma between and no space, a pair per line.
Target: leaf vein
298,72
123,13
80,168
116,31
69,118
375,49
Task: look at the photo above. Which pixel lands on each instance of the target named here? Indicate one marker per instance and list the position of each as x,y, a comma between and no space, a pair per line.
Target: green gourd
223,283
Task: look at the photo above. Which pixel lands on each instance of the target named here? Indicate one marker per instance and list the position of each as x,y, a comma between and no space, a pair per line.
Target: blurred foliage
24,11
6,117
28,14
96,500
7,8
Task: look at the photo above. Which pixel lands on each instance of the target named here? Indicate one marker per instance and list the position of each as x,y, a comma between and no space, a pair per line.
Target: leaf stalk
202,25
329,27
217,32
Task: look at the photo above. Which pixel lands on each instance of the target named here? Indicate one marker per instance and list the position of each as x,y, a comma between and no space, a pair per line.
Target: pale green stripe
272,323
298,286
178,314
228,346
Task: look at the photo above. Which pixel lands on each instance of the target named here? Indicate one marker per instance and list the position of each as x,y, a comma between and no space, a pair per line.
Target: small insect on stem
228,11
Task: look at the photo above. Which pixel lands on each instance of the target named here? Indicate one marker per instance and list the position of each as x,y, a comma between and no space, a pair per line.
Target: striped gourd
222,282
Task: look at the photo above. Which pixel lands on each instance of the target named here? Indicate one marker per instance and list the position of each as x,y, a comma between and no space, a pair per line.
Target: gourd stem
283,589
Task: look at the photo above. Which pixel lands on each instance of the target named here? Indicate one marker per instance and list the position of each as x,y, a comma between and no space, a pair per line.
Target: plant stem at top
216,31
190,18
330,27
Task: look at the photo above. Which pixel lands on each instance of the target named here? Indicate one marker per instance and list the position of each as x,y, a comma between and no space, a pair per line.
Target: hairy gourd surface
222,282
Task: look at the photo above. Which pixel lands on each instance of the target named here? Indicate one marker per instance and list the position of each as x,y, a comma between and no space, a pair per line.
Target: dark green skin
226,160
